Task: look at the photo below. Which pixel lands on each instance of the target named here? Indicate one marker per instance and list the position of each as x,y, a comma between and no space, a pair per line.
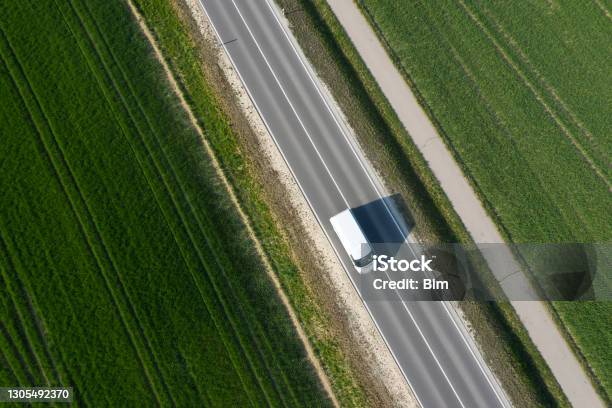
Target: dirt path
534,315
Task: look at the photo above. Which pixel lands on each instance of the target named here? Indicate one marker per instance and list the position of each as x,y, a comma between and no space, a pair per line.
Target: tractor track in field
179,212
158,175
499,122
29,309
175,181
64,185
217,167
15,351
557,120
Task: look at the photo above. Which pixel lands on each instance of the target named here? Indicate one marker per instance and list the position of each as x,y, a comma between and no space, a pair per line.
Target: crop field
521,93
125,271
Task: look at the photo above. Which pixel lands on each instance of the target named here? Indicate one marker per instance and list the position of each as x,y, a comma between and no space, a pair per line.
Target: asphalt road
429,346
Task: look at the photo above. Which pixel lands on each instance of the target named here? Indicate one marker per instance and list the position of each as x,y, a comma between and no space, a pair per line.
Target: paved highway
431,349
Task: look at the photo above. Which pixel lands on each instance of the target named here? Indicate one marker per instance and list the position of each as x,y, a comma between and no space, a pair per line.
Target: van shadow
384,221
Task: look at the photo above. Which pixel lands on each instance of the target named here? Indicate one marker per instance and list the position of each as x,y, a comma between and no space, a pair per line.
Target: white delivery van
352,238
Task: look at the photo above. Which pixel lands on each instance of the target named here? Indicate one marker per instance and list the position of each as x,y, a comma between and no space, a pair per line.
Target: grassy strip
130,273
506,346
563,166
185,53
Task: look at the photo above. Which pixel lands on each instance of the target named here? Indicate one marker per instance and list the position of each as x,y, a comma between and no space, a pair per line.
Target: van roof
350,233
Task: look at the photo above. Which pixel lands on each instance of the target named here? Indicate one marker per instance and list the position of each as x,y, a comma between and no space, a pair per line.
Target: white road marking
342,195
342,131
336,184
312,208
340,192
290,104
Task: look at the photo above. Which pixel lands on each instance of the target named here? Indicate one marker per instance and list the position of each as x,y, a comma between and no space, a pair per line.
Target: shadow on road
377,222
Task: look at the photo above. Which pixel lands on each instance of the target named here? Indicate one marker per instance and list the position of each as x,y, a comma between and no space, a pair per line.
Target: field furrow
7,372
498,131
514,45
15,357
151,290
62,373
594,146
145,162
57,372
134,122
31,322
181,193
151,153
602,174
44,128
604,9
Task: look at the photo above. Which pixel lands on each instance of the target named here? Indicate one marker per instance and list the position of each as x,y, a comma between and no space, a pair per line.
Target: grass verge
505,344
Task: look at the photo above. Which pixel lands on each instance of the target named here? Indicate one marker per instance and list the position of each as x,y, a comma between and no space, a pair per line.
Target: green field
521,93
125,271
